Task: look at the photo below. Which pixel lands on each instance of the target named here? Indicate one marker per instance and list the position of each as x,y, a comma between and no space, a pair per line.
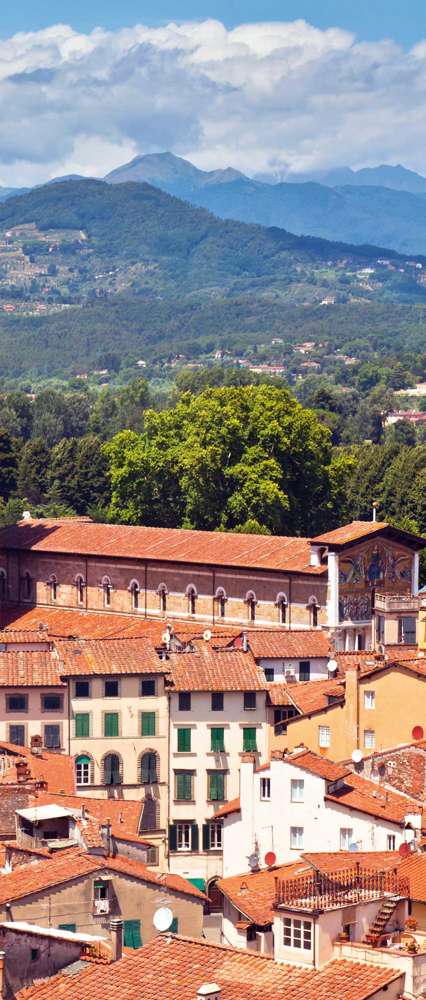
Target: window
391,842
269,674
183,786
297,933
35,954
214,836
296,838
249,701
220,598
215,786
17,735
297,790
111,724
52,737
82,725
369,699
150,815
83,770
27,586
111,689
184,701
112,769
16,703
249,738
265,789
281,603
313,612
148,687
52,586
304,670
3,584
134,591
183,836
67,927
217,701
346,837
369,739
251,933
148,723
407,630
149,768
380,628
251,602
132,934
51,702
324,736
191,594
106,588
79,586
82,689
217,739
162,593
184,740
174,926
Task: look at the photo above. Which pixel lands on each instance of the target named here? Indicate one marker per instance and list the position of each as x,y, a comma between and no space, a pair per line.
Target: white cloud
260,96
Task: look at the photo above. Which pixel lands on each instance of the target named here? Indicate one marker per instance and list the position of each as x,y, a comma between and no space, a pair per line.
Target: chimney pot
116,931
211,990
244,641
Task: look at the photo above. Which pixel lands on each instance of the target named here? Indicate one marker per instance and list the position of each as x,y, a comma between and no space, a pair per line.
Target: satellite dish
163,918
253,861
270,859
207,635
357,756
165,637
418,733
404,850
353,848
332,666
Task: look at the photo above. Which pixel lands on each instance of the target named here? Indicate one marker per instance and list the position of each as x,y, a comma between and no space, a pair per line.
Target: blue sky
369,19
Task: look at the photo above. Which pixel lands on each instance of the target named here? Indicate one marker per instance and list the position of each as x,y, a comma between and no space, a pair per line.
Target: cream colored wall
418,910
34,719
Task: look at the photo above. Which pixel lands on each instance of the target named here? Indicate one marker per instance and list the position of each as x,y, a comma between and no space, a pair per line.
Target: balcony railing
348,885
396,602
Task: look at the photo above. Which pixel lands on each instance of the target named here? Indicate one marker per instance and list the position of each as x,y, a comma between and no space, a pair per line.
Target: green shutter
194,837
82,724
111,724
206,837
249,738
174,926
148,723
67,927
132,934
216,786
172,838
184,786
217,739
184,741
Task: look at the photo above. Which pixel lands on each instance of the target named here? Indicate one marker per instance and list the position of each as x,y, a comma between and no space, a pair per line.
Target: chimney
36,744
22,770
244,641
116,933
211,990
106,836
2,974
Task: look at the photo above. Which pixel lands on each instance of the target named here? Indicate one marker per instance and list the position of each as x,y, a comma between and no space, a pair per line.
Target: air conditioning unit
101,906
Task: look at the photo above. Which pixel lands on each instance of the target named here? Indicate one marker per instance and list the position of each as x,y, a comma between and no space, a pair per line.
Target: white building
288,656
302,802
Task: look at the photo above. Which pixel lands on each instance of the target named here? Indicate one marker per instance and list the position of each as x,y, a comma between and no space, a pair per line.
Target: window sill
182,802
184,753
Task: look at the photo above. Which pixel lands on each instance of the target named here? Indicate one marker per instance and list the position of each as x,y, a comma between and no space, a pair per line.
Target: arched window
107,588
282,604
3,584
250,600
191,594
26,586
150,814
134,589
112,769
79,587
84,770
52,587
313,607
162,593
149,765
221,599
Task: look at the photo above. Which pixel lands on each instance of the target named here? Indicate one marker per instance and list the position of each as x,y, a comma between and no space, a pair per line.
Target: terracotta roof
162,544
414,868
357,530
124,813
307,696
325,861
211,670
68,623
29,668
253,893
366,796
322,767
299,644
56,769
233,806
17,637
109,656
174,968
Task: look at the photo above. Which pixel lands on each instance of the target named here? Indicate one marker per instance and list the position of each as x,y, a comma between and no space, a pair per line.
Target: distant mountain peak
170,172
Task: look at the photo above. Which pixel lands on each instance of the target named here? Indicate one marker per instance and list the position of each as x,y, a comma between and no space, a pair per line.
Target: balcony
394,603
319,891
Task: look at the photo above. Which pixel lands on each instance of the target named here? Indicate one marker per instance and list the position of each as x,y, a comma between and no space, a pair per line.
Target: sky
265,86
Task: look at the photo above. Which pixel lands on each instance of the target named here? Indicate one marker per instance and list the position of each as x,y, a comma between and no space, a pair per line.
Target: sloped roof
213,670
174,968
56,769
29,668
366,796
329,862
322,767
307,696
252,893
358,530
174,545
124,814
297,644
414,868
108,656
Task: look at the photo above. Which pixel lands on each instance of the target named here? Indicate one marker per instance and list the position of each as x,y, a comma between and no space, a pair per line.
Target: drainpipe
86,572
289,602
213,592
169,702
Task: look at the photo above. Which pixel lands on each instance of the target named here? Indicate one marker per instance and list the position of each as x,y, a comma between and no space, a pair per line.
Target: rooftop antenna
375,506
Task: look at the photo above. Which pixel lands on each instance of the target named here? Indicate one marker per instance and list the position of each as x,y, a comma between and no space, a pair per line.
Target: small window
82,725
216,786
149,771
296,838
217,739
184,786
217,701
251,606
313,612
369,739
174,926
249,739
27,586
251,933
3,585
184,701
369,699
191,594
111,724
215,836
52,586
135,591
17,735
35,954
269,674
162,594
265,789
380,628
297,933
391,842
346,837
148,687
249,701
220,599
281,603
111,689
52,737
106,589
184,740
148,724
82,689
16,703
51,702
183,836
83,767
324,736
304,670
407,630
297,790
79,586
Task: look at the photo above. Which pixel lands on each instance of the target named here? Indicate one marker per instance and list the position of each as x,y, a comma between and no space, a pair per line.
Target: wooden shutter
206,837
194,837
218,739
249,738
132,934
148,723
172,837
174,926
184,740
111,724
82,724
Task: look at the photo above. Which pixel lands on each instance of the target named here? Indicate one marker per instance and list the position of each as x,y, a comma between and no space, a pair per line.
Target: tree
33,471
8,465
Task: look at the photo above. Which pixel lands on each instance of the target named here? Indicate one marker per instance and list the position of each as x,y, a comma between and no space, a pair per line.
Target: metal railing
322,891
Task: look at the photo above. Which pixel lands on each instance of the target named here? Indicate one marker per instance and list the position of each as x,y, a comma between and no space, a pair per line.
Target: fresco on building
376,566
